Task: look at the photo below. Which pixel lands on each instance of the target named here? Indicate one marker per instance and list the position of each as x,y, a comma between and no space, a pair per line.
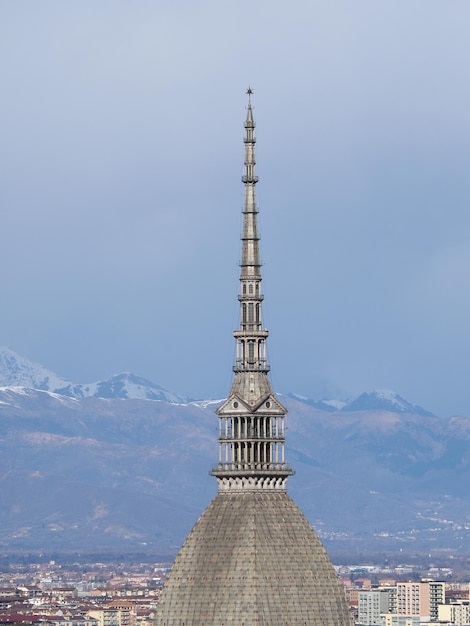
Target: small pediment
268,405
234,406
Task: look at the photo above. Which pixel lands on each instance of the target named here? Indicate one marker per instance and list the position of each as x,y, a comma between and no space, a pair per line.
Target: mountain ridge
18,371
126,474
122,473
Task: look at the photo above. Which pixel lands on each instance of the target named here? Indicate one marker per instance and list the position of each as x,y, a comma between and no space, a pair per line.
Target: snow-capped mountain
377,400
385,400
125,385
17,371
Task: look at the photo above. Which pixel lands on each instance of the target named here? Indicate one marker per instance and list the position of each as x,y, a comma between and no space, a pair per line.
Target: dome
252,559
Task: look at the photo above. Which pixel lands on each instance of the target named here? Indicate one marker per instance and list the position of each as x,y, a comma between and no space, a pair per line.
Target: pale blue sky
121,156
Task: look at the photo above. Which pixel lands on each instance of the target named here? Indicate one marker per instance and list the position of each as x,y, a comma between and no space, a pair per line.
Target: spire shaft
251,338
251,421
250,263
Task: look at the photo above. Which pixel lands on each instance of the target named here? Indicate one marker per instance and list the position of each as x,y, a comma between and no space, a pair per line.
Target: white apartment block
457,613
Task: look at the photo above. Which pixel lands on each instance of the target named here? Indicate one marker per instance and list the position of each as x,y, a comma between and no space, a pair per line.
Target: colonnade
251,442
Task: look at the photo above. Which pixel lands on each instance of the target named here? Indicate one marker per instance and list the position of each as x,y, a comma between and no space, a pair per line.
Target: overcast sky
121,154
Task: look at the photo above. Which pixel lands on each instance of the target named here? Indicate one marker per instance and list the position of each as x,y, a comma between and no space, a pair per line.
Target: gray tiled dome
253,559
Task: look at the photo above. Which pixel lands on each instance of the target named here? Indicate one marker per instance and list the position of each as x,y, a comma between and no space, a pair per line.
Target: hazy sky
121,154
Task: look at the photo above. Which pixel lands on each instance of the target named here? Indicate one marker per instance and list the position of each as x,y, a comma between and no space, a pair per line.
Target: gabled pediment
234,405
268,405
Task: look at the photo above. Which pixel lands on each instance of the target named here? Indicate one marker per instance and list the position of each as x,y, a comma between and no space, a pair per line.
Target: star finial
249,91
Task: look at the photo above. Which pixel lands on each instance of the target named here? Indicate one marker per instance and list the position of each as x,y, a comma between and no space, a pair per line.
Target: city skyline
119,207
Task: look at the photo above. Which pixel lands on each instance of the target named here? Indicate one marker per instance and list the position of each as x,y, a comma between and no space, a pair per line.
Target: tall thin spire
250,263
251,421
252,557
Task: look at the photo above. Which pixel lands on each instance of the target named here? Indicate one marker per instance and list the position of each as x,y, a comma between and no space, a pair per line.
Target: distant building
420,599
373,604
457,613
363,583
115,614
105,617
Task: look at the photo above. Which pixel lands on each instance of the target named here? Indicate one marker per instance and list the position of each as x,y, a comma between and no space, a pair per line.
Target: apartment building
457,613
373,604
420,599
115,614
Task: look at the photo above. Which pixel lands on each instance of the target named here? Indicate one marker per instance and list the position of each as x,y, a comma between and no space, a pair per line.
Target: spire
252,557
251,421
250,263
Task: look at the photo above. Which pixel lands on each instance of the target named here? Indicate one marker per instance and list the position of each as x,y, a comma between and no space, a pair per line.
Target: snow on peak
385,400
335,404
17,371
387,394
128,385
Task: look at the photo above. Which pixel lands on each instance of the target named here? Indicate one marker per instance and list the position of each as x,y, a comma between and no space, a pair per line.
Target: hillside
126,474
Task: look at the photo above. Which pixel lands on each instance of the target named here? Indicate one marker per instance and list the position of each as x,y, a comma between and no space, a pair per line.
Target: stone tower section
251,421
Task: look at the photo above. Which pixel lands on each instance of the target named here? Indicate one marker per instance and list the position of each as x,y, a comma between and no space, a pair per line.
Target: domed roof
252,559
